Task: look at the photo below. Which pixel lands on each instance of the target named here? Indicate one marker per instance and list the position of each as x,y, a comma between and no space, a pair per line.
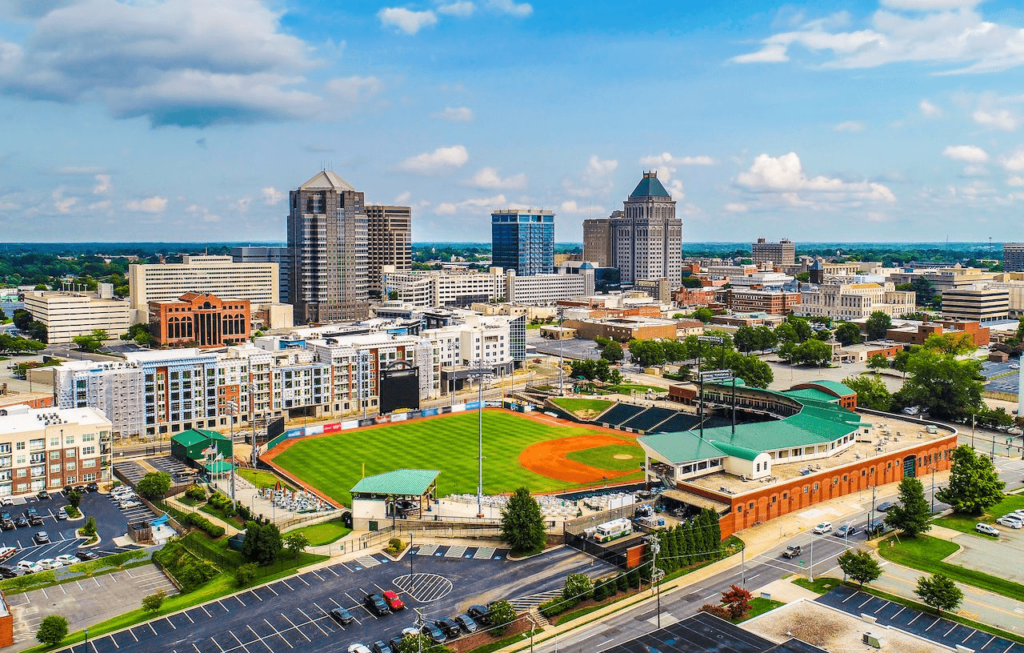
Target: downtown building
1013,257
68,314
389,236
462,288
840,300
780,254
523,240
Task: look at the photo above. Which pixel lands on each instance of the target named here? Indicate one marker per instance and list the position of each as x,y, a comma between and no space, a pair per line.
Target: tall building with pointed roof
328,240
646,237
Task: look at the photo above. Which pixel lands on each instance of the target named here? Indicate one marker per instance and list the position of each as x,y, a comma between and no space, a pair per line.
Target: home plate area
474,552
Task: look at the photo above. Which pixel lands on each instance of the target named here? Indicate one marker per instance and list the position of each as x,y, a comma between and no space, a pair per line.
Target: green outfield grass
604,457
262,479
584,408
333,464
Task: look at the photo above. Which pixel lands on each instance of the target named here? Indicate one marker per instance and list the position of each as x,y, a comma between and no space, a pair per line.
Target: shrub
246,574
202,523
578,587
89,530
501,614
190,571
153,602
622,583
196,493
395,546
52,630
556,606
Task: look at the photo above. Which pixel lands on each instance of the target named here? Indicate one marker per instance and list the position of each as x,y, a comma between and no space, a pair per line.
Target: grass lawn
333,464
819,586
584,408
262,479
925,553
628,388
965,523
604,457
210,509
759,606
323,533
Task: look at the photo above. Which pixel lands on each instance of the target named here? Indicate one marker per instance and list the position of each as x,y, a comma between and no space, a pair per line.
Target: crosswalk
460,551
366,561
524,603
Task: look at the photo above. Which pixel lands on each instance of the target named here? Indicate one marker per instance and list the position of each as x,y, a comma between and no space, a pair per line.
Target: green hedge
190,571
202,523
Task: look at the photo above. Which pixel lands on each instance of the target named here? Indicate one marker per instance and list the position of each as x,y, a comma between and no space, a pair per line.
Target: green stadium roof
737,452
219,467
404,482
811,393
649,186
835,386
682,446
195,436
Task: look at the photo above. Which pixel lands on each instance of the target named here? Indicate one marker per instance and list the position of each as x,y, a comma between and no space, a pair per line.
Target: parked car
6,501
67,560
7,525
392,600
11,572
342,616
875,528
31,511
466,623
358,648
62,514
479,614
7,552
43,495
42,537
433,632
884,506
375,604
21,521
846,530
125,505
448,627
48,564
1010,522
29,567
92,487
822,528
792,551
35,520
985,529
381,647
86,556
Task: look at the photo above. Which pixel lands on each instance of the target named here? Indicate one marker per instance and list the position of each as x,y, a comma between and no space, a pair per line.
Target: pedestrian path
460,551
524,603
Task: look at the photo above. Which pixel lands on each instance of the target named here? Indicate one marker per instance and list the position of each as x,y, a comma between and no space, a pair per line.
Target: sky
190,120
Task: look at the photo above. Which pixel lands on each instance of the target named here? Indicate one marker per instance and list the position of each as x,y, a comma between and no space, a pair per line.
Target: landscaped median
966,523
98,567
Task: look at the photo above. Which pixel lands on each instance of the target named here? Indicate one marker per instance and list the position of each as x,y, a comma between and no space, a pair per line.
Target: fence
577,526
616,551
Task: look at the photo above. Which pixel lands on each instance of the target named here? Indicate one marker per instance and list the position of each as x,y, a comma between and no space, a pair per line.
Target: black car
479,614
7,524
395,642
375,604
466,623
381,647
846,530
35,520
30,511
884,506
80,489
433,632
86,556
21,521
43,495
449,627
342,616
6,572
93,487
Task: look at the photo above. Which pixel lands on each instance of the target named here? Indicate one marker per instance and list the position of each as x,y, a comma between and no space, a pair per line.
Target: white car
358,648
822,528
7,552
30,567
125,505
6,501
122,495
1018,513
1010,522
985,529
47,564
67,560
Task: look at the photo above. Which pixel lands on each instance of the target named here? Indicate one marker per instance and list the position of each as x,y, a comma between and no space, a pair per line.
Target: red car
393,601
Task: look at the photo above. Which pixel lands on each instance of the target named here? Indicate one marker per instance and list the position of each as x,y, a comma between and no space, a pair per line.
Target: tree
578,587
612,352
942,385
703,314
900,361
737,600
939,592
296,543
647,353
801,327
392,295
878,362
420,643
74,499
860,566
500,614
877,325
871,392
974,485
153,602
911,513
246,574
262,543
91,342
52,630
139,333
766,338
848,333
154,484
522,525
754,371
812,352
924,289
89,530
950,343
745,339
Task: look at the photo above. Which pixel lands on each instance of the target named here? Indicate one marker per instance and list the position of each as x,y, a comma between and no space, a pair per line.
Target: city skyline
813,122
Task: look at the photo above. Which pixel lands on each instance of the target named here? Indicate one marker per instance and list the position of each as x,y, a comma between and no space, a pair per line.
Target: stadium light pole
481,371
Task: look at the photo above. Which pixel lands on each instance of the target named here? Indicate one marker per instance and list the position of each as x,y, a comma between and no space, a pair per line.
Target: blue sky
191,119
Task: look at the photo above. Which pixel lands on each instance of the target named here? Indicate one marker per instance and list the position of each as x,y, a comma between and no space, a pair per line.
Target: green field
966,523
324,532
262,479
333,464
604,457
628,388
584,408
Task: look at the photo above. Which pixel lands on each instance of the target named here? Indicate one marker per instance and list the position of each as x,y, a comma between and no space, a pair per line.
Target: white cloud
81,170
202,213
188,63
966,153
944,33
997,119
784,175
510,7
103,185
666,158
442,159
975,171
735,207
101,205
353,90
929,110
406,20
475,205
595,178
572,207
454,114
403,197
489,179
155,204
272,196
62,204
849,126
1015,180
460,9
1013,162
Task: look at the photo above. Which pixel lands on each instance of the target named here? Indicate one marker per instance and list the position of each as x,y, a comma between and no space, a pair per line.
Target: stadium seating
648,419
620,413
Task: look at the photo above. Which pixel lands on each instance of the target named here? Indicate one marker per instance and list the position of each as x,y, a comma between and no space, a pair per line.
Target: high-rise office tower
647,238
780,253
390,240
523,240
597,241
1013,257
280,255
327,236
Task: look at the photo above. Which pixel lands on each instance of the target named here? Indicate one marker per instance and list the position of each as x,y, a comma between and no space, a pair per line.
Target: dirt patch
623,456
549,459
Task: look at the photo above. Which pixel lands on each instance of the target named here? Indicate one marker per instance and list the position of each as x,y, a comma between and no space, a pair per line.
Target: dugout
188,446
399,494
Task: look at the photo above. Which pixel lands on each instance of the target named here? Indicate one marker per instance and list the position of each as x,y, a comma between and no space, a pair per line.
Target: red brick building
917,335
694,296
200,320
761,301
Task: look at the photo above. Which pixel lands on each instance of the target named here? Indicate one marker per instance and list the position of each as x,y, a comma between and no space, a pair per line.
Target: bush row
202,523
190,571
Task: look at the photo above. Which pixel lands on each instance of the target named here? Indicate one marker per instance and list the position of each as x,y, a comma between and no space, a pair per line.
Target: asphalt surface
292,613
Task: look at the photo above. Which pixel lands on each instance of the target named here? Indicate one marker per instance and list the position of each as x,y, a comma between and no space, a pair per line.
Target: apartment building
980,303
781,253
281,256
547,288
1013,257
70,314
256,283
851,301
773,302
597,240
389,241
462,288
48,448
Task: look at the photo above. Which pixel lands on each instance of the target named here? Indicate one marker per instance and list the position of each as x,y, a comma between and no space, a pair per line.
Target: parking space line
132,633
898,613
331,569
222,605
204,610
172,625
287,585
237,598
150,624
295,627
345,566
239,641
317,575
278,632
951,630
262,640
253,592
312,621
916,618
218,645
933,623
116,645
988,642
299,576
189,617
271,588
973,633
1008,648
885,605
62,589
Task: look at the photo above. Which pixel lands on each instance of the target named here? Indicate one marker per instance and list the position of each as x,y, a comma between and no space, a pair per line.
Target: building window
815,487
805,489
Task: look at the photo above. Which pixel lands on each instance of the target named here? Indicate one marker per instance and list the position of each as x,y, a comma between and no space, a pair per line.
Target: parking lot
1008,380
292,613
999,557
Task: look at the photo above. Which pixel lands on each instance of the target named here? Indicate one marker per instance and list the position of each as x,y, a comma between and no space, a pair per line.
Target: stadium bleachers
620,413
680,422
648,419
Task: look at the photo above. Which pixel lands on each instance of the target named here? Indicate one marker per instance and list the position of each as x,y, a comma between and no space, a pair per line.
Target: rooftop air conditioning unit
870,639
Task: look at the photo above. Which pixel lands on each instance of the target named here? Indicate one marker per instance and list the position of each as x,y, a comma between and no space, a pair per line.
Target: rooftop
403,482
326,180
196,436
649,186
22,419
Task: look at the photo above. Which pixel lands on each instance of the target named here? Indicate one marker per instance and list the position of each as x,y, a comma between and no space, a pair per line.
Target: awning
696,500
219,467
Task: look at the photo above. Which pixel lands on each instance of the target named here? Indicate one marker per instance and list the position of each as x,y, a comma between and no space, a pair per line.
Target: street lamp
86,640
481,370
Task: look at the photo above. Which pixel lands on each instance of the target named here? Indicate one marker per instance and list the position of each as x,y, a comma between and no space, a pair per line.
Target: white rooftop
21,418
326,180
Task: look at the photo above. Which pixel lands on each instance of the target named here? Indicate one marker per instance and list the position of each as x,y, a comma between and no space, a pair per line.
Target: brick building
917,334
761,301
694,296
199,320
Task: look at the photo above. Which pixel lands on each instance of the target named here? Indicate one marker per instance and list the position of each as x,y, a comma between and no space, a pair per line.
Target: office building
389,235
48,448
780,254
69,314
597,241
327,237
547,288
523,240
281,256
462,288
980,303
199,320
773,302
853,301
647,238
1013,257
221,276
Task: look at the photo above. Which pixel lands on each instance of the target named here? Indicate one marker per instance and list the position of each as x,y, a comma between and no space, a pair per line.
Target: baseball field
542,453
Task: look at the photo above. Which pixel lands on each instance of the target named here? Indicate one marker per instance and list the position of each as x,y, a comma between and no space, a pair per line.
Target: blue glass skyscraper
523,240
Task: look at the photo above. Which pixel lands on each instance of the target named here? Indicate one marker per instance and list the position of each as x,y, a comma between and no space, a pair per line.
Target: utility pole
411,556
871,521
933,488
655,549
810,569
480,371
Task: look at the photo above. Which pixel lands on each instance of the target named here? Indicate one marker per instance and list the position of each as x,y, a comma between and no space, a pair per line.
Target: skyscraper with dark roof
327,237
646,236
